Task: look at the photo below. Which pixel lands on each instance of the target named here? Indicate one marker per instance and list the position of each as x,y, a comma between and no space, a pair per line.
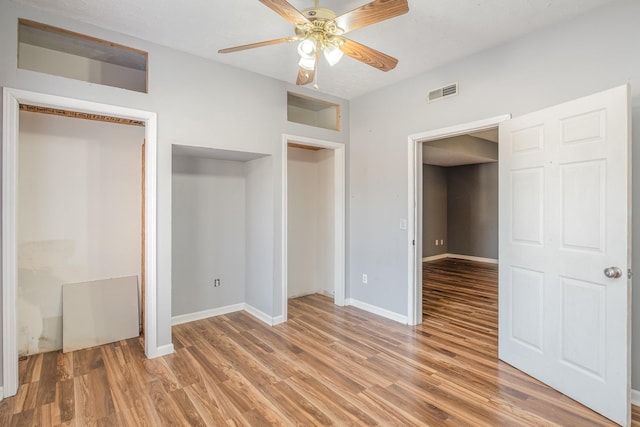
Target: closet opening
313,219
12,100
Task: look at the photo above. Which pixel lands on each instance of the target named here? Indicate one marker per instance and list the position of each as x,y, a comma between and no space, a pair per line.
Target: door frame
12,98
338,215
414,220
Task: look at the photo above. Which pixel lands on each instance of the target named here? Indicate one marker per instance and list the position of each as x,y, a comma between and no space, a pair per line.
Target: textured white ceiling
434,32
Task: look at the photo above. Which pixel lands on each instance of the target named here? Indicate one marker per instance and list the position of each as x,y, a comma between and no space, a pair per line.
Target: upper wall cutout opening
313,112
51,50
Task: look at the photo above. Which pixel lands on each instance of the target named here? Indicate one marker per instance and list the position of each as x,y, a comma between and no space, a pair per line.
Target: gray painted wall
472,207
594,52
434,210
460,206
208,234
261,253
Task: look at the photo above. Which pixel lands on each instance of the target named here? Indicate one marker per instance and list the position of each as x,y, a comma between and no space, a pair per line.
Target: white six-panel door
564,219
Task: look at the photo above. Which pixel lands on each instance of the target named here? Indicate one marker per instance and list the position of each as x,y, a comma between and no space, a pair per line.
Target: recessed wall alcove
222,238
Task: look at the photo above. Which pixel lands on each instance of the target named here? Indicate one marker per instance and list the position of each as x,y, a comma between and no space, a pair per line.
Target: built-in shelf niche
51,50
313,112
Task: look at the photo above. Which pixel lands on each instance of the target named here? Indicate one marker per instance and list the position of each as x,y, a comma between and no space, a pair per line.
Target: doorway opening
313,211
12,99
460,235
415,208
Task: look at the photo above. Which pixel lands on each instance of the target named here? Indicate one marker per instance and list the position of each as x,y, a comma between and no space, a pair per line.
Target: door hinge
413,242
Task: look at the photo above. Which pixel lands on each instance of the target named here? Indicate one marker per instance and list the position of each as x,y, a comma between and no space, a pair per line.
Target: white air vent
443,92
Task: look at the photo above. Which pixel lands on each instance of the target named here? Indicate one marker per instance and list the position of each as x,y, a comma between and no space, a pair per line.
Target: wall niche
51,50
313,112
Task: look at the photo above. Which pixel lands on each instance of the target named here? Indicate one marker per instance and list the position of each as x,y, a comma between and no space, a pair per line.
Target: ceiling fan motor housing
319,13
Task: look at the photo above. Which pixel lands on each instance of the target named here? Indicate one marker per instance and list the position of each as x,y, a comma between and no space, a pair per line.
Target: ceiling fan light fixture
307,49
307,63
332,54
320,29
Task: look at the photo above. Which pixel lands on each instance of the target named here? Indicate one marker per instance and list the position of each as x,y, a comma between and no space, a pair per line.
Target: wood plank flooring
327,365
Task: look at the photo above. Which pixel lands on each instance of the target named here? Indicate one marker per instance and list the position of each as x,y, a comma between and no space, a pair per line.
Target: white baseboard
377,310
474,258
435,257
635,397
302,294
163,350
326,293
467,257
277,320
191,317
262,316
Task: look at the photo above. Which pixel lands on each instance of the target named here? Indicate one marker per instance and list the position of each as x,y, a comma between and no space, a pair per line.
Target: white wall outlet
216,283
441,242
403,224
365,279
436,242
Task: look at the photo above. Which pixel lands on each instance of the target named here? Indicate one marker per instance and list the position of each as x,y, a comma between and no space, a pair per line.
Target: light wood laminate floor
327,365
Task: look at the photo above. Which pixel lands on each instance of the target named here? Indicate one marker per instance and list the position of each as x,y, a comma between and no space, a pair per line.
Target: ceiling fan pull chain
315,77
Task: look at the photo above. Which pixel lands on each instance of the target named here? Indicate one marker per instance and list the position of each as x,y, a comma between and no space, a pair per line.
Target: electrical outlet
436,242
441,242
365,279
216,283
403,224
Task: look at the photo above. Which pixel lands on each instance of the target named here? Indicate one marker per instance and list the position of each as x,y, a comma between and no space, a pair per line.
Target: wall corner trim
635,397
378,311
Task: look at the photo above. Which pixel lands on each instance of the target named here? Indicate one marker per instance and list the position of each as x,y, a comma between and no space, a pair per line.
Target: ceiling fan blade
368,55
284,9
259,44
370,13
305,76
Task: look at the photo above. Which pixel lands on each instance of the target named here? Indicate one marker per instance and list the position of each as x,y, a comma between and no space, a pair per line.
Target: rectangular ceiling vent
443,92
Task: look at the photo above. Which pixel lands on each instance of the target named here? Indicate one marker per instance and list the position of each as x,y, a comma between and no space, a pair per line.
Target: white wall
326,220
209,232
79,210
200,103
310,222
586,55
302,217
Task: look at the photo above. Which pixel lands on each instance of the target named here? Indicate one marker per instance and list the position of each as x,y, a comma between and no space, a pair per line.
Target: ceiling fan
321,30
